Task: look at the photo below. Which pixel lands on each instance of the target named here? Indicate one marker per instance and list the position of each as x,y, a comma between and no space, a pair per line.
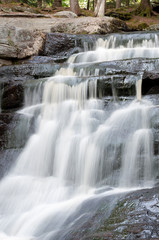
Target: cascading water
81,150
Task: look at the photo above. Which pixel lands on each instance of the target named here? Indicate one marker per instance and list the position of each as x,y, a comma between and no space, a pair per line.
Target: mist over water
80,150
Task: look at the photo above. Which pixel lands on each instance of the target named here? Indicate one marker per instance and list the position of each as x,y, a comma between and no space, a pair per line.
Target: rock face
19,43
125,73
5,62
90,25
5,119
20,37
65,14
12,96
134,216
57,43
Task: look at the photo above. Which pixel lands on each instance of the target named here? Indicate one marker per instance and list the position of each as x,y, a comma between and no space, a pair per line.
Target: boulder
60,46
65,14
89,25
56,43
19,42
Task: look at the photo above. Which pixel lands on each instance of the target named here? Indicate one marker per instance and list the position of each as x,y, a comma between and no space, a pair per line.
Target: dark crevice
150,86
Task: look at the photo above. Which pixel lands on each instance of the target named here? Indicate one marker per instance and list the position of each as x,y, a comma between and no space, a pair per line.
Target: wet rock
65,14
90,25
124,85
154,90
15,130
12,96
5,119
124,73
128,216
150,86
60,45
27,71
7,159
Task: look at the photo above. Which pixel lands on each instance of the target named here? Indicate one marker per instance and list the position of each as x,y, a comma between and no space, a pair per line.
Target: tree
88,4
144,9
127,3
94,4
74,6
58,3
100,8
118,3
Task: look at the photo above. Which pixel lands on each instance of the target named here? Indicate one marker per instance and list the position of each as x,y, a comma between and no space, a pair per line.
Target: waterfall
139,89
80,149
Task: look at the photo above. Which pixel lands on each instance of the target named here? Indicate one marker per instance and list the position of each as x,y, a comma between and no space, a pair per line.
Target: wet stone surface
133,216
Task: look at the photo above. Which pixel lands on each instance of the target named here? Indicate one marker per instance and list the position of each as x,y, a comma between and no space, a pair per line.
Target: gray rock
81,25
19,43
65,14
89,25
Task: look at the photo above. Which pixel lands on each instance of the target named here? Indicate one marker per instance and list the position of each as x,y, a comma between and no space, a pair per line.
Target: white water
79,147
119,47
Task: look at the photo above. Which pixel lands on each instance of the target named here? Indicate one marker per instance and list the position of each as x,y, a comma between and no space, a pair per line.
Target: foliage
110,4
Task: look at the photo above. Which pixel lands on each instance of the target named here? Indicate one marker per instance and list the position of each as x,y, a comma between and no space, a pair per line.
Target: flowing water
81,150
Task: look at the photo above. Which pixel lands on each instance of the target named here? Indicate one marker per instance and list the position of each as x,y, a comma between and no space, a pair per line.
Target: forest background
138,14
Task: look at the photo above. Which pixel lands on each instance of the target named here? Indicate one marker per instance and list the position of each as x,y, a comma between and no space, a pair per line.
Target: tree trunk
88,3
40,3
118,3
127,3
74,6
100,8
58,3
144,9
94,4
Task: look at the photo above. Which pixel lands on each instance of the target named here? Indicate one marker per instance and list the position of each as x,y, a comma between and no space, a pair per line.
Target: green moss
119,14
142,26
118,216
10,42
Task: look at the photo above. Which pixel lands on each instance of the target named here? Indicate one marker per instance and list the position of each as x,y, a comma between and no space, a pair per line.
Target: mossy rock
121,15
142,26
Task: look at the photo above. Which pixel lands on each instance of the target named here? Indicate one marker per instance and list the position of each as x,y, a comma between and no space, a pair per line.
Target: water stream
80,150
